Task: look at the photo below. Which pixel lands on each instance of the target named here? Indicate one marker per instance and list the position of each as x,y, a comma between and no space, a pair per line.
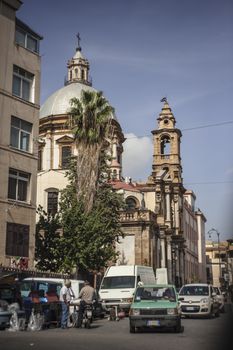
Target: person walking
87,295
66,295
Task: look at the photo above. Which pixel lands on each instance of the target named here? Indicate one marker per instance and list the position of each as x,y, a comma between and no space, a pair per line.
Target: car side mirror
180,299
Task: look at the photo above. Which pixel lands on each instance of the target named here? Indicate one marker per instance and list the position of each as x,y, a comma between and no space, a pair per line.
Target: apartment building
19,118
194,234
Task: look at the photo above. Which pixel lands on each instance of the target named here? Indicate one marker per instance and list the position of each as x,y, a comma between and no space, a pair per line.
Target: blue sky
140,51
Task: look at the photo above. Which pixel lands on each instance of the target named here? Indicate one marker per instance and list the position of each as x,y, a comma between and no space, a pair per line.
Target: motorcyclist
87,296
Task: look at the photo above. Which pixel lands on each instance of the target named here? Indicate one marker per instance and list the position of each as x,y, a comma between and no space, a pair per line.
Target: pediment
65,139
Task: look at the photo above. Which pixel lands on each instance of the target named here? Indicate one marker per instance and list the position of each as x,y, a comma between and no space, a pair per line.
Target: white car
220,299
198,299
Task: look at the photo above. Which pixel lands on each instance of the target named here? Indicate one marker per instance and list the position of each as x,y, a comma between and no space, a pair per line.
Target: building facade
219,263
19,102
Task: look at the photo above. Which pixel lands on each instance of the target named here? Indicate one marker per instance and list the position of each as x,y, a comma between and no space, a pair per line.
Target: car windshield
116,282
194,290
155,293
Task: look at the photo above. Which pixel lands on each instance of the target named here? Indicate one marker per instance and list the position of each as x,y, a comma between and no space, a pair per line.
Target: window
18,185
20,134
65,156
131,203
118,282
17,240
114,174
165,145
40,155
22,84
52,202
26,40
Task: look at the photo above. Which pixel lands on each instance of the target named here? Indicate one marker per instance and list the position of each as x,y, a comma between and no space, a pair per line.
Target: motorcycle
88,315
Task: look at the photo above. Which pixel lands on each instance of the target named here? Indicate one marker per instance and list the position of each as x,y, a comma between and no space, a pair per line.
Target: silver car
198,299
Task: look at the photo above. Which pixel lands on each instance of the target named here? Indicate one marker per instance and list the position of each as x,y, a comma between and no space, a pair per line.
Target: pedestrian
87,295
66,295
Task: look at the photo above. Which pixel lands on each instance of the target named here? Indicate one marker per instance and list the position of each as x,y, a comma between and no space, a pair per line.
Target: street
201,334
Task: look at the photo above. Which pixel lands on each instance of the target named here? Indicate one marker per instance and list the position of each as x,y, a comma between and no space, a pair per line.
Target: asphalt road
198,334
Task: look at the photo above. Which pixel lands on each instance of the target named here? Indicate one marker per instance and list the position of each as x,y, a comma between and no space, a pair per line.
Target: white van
119,283
44,284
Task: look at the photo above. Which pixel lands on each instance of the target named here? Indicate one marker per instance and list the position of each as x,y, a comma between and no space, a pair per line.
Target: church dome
59,102
77,80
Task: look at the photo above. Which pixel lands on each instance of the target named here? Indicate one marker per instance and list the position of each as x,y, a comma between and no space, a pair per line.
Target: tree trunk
87,173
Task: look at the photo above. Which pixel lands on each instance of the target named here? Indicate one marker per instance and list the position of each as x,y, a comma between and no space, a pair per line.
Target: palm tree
91,125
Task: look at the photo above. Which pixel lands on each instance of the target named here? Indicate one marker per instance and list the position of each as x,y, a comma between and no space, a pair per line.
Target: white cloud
137,157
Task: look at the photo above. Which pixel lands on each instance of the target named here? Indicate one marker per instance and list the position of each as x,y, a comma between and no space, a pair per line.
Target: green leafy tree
88,240
90,120
48,253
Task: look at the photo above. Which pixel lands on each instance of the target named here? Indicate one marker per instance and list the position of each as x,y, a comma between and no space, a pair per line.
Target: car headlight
134,312
172,311
204,301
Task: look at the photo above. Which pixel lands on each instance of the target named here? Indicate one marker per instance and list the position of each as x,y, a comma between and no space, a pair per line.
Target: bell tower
166,140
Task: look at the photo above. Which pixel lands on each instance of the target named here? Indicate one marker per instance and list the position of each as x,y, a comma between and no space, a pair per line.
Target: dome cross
79,39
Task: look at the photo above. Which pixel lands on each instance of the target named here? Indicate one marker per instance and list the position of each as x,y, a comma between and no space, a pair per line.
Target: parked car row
160,306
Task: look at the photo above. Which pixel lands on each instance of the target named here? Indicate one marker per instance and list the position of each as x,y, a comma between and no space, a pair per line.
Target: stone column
48,148
163,253
181,264
168,204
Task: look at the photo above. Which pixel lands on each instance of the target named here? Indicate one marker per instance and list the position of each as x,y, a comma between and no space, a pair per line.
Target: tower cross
79,39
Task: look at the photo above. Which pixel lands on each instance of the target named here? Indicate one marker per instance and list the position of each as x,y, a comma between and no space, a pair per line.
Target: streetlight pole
213,230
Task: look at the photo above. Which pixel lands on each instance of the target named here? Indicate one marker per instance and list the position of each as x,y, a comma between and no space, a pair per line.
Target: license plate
153,323
189,308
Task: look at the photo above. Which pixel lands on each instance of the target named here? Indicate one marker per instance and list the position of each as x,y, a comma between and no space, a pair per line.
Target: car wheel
178,327
211,314
132,329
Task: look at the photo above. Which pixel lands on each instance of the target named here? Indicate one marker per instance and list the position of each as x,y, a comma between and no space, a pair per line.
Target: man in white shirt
66,294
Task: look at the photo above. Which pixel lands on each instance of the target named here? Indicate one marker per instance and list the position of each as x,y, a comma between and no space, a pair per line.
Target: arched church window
66,153
82,74
70,74
131,203
165,145
76,72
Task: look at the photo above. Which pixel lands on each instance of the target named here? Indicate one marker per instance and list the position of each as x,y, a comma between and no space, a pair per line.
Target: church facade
160,224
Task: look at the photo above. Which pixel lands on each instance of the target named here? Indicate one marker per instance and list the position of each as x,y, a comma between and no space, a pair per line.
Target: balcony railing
137,215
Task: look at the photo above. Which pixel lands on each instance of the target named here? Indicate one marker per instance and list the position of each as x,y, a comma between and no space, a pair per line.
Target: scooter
88,315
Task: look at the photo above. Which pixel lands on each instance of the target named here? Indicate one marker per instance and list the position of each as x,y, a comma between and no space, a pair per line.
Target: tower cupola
167,139
78,67
166,119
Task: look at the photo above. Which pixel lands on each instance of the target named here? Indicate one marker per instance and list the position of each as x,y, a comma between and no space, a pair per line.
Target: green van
155,306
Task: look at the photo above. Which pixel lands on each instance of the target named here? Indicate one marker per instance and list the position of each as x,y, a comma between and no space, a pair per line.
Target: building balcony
137,216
